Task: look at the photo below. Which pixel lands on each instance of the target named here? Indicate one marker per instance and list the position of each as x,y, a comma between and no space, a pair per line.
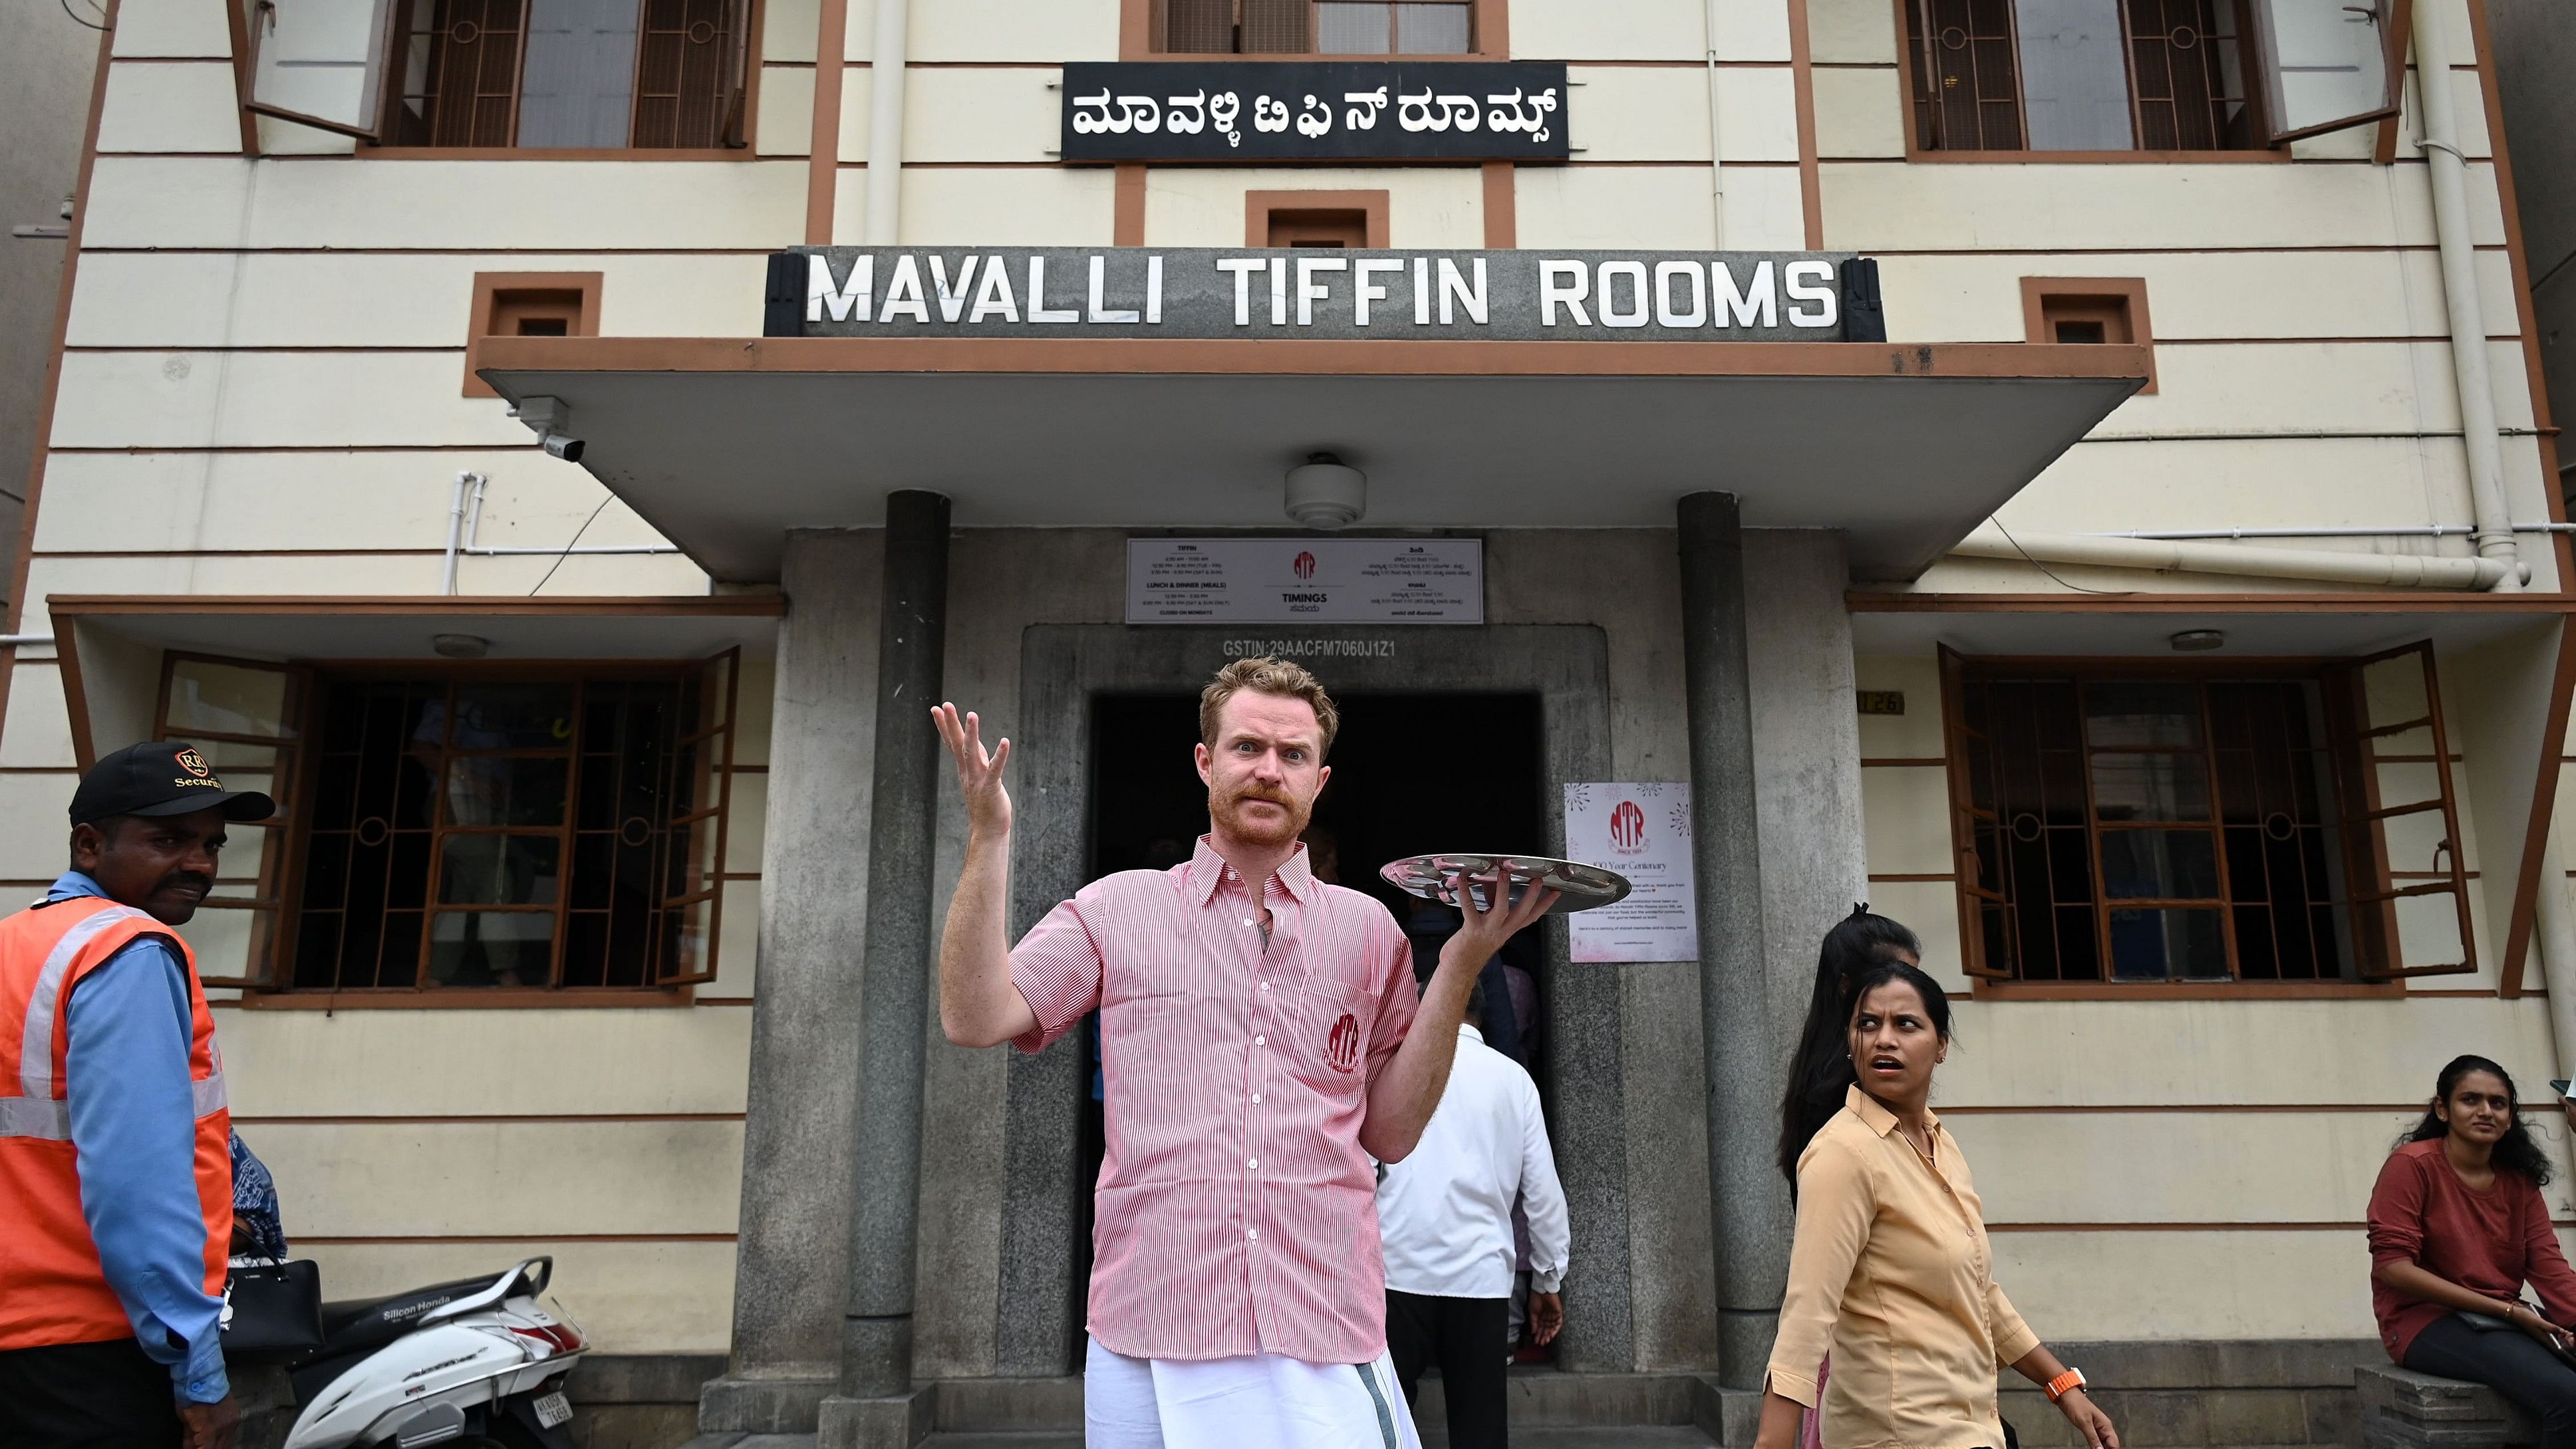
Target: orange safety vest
52,1288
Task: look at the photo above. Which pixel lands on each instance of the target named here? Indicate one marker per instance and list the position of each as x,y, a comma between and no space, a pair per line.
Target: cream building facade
597,918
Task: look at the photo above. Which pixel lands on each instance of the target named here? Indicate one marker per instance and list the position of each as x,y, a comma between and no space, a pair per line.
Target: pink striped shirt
1237,1213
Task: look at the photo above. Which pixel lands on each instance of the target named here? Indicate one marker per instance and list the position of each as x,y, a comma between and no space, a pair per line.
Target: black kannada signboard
1206,292
1335,110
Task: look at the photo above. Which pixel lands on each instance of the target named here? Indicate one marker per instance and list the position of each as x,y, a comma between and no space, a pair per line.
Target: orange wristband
2058,1386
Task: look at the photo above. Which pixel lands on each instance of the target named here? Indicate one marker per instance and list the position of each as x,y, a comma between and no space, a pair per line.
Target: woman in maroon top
2457,1227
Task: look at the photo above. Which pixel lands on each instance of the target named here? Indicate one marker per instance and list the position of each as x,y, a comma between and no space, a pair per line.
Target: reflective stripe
40,1117
36,1044
209,1094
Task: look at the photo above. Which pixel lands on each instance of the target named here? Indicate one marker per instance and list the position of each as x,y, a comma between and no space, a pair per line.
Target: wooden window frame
1915,151
1260,208
493,297
2371,912
276,881
2127,294
739,143
270,985
1140,37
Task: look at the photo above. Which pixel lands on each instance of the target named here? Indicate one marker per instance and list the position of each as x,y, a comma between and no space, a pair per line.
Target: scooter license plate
552,1409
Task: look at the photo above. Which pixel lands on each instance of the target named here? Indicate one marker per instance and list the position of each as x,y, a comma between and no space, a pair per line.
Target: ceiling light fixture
1324,492
2192,641
460,646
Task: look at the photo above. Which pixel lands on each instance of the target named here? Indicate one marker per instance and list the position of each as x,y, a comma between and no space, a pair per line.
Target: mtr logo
1628,828
1304,566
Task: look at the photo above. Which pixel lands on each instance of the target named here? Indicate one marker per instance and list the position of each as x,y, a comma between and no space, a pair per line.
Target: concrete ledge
762,1405
2401,1409
1009,1406
897,1421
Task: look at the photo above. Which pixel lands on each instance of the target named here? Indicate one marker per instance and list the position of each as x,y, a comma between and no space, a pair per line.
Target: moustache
204,884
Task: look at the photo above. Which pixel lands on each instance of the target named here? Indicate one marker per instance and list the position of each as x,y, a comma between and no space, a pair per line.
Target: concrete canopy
725,444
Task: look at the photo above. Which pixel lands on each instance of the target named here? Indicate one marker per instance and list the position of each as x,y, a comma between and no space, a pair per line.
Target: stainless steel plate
1580,887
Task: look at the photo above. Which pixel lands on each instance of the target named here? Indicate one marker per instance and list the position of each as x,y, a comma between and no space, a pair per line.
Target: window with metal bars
2126,823
571,74
473,830
1317,27
2081,75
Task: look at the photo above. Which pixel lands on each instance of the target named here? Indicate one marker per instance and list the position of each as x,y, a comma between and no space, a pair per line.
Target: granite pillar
875,1404
1727,862
791,1270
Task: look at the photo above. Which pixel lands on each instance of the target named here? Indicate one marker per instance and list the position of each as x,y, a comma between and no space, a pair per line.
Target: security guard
115,1173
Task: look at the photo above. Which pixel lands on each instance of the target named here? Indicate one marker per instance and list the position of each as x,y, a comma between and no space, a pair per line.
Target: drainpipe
1716,170
2557,924
456,526
2386,570
2449,171
885,124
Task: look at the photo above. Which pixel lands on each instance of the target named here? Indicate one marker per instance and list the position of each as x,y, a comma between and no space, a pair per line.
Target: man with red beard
1258,1039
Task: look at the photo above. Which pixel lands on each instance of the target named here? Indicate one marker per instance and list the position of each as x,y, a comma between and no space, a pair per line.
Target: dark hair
1821,1068
1476,1004
2514,1151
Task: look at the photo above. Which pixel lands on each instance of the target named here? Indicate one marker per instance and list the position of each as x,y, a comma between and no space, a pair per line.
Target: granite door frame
1063,667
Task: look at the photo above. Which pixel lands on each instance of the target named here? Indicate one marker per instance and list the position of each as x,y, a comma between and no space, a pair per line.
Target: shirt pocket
1328,1036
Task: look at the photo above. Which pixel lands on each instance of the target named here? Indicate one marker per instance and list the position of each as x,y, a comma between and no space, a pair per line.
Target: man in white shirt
1445,1215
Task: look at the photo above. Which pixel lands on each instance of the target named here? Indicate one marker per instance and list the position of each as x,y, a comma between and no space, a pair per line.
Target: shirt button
1265,985
1253,1233
1261,1041
1253,1162
1247,920
1256,1099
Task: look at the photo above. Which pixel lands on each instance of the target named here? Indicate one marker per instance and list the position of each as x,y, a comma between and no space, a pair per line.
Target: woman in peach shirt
1891,1270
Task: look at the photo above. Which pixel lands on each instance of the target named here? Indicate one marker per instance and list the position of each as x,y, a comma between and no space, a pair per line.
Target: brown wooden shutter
1967,85
246,717
1275,27
2399,817
1985,918
1198,27
685,68
2178,85
702,796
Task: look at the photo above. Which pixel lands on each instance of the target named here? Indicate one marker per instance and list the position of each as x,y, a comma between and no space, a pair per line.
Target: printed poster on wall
1642,830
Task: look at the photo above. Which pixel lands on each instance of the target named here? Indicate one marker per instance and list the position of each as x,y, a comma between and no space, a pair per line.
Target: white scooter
470,1363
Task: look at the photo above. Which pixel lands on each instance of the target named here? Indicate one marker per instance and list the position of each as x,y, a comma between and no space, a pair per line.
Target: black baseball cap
164,777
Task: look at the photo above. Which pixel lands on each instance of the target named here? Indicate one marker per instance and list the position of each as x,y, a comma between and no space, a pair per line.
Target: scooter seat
364,1323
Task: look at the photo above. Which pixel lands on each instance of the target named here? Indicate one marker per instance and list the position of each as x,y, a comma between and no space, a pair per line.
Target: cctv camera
549,418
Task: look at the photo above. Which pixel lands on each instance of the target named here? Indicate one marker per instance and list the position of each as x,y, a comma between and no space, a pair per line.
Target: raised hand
979,771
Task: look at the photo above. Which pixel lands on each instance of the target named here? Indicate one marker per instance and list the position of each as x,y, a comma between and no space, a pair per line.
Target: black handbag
272,1312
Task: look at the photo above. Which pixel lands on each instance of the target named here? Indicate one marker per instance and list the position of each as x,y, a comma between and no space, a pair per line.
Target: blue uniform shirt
134,1128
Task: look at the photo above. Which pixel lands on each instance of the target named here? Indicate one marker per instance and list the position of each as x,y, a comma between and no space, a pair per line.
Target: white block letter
1821,293
1635,275
1552,289
1668,315
1756,300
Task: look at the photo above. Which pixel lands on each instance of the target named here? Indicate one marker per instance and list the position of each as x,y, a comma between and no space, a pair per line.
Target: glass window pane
1344,28
577,82
499,870
227,699
2150,787
503,717
2171,944
2329,60
2126,714
2159,865
492,948
1432,29
2074,75
506,791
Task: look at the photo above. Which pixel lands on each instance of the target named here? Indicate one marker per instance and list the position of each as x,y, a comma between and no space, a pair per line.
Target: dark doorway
1411,773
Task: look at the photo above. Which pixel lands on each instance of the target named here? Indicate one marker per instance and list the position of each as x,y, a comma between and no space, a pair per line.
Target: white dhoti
1255,1401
